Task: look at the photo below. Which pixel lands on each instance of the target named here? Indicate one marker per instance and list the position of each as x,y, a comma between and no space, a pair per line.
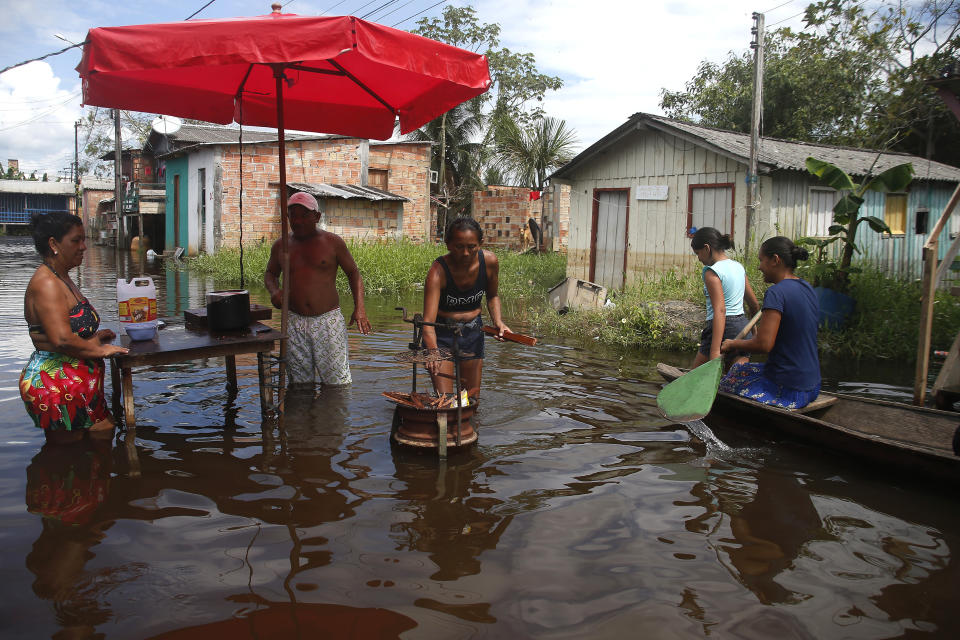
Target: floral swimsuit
62,392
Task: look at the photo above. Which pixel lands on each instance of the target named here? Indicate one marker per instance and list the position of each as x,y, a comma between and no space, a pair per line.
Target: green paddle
691,396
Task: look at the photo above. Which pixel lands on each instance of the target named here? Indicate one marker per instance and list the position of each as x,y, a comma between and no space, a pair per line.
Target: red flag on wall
534,195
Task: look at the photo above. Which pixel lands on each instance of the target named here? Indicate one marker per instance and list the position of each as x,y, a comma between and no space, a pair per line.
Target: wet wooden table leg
262,374
231,362
129,419
115,386
130,444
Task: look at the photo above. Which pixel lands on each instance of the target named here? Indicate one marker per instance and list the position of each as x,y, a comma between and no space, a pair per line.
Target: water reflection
66,486
579,514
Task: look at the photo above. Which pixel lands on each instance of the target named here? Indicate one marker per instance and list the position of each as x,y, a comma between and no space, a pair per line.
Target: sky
615,56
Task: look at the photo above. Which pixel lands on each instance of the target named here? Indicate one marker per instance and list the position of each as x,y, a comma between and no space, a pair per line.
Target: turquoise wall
177,167
901,255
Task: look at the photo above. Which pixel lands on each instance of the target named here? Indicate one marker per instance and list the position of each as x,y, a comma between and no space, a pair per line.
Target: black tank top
454,299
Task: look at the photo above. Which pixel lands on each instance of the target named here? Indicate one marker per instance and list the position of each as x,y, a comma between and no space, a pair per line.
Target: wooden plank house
636,194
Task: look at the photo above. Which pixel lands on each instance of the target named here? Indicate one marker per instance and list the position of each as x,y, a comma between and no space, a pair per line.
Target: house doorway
202,210
608,237
176,211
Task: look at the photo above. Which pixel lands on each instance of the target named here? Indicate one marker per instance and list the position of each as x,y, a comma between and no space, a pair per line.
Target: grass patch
886,321
636,320
645,316
392,268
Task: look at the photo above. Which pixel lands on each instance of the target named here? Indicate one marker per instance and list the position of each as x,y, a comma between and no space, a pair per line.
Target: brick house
370,189
503,211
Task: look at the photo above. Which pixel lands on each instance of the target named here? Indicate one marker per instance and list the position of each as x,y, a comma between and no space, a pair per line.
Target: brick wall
362,219
502,212
334,161
408,175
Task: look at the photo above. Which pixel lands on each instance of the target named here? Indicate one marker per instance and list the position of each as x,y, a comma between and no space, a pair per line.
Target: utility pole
117,184
756,112
76,169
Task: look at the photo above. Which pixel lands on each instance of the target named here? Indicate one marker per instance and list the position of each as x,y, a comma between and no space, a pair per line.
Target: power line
51,99
39,116
384,5
419,13
363,6
332,7
395,9
778,6
55,53
200,9
772,24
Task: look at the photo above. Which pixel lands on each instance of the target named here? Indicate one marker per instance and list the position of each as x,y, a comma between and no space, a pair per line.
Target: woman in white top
725,286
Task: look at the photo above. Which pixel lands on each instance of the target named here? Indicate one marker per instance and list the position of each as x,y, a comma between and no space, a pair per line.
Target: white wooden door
609,251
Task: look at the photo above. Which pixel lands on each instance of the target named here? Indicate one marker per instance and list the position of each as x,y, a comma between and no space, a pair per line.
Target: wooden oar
512,337
690,397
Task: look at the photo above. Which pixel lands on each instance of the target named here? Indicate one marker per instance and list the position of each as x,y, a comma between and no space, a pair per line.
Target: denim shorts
470,340
730,330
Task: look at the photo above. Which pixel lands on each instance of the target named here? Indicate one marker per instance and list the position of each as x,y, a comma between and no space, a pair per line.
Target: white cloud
616,56
36,119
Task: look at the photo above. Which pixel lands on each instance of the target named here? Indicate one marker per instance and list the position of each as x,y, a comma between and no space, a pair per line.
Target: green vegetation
393,267
886,320
884,325
646,315
637,318
855,74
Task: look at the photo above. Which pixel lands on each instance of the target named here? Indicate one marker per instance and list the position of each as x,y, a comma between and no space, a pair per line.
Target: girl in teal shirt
725,286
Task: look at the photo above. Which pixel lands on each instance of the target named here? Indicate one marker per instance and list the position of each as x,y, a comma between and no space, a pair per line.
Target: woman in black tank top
455,285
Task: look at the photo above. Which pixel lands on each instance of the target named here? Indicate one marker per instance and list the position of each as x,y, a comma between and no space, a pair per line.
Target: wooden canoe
915,440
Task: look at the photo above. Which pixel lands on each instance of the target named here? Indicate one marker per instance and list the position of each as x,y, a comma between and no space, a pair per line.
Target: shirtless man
317,333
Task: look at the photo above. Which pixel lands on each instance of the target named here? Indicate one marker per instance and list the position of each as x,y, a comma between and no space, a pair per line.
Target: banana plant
846,213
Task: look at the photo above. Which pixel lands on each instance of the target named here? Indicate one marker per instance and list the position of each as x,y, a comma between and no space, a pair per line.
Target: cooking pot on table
228,310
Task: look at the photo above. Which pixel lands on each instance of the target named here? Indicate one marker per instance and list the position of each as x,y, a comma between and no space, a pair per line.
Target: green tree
464,136
456,136
97,129
517,86
531,153
854,75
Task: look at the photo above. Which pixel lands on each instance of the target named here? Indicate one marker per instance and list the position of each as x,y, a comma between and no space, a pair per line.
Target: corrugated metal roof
37,187
96,183
773,153
346,191
209,133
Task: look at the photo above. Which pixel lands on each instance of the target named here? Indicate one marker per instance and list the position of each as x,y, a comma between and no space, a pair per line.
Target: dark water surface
580,514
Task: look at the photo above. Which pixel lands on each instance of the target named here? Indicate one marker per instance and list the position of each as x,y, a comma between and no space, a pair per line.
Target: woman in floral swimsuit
62,384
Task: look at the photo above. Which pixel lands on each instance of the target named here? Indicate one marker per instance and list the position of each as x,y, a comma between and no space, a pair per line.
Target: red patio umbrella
339,75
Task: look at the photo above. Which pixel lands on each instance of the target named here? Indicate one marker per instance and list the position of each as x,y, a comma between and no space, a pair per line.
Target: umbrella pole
284,249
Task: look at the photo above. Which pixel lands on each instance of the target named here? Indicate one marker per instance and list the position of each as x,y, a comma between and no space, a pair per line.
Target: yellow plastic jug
137,300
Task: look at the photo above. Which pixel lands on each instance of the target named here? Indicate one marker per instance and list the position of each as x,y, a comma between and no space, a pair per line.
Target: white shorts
317,348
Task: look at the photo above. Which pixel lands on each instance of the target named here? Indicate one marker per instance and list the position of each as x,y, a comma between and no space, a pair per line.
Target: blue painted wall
177,167
901,255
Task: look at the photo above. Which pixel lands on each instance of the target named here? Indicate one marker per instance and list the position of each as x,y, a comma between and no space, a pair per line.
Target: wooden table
178,344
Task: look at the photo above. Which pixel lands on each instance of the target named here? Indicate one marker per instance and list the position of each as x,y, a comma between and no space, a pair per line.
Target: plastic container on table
137,307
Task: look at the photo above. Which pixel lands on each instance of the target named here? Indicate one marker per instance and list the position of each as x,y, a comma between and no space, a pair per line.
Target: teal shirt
733,279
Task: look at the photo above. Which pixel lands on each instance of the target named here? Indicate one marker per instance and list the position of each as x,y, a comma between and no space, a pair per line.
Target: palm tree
456,136
531,154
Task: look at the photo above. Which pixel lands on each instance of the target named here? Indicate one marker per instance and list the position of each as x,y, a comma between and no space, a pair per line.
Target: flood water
579,514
